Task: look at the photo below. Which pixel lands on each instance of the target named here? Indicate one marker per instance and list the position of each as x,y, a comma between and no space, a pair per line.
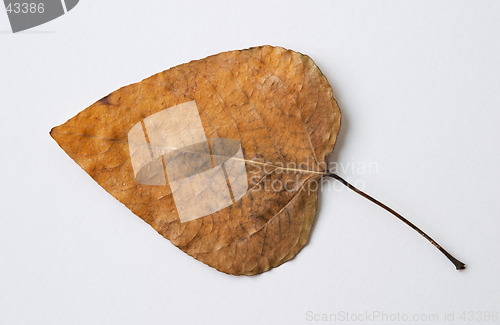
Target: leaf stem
459,265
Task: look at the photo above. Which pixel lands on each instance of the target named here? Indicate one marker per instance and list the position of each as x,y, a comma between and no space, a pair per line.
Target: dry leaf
195,151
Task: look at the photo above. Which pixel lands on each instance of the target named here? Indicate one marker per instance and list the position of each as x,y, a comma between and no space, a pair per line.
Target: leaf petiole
459,265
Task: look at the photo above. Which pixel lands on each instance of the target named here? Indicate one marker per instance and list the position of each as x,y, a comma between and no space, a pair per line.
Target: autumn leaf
222,156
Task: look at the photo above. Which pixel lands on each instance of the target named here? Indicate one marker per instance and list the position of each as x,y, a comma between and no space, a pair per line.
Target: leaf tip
55,133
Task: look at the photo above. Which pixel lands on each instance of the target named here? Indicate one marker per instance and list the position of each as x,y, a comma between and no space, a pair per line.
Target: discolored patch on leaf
195,151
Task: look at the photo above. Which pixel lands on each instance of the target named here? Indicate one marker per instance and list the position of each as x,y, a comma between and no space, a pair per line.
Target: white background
419,87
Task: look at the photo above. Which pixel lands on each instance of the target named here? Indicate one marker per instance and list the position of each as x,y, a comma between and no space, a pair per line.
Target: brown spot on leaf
104,100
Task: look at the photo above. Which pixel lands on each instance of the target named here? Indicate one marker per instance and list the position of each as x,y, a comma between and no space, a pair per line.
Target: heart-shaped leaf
222,156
